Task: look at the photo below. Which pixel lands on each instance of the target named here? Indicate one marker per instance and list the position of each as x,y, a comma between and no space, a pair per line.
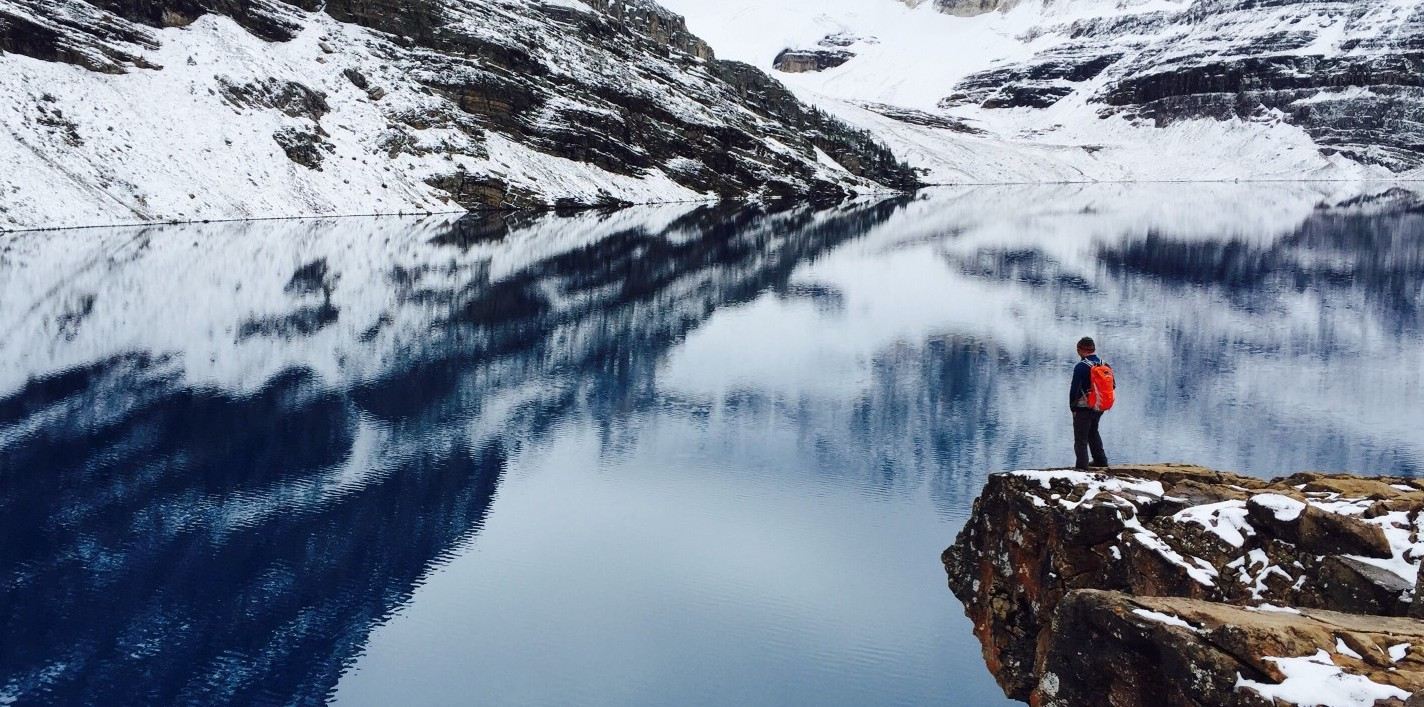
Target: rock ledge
1179,585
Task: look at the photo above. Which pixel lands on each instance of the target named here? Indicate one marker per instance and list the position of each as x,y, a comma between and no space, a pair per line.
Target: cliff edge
1180,585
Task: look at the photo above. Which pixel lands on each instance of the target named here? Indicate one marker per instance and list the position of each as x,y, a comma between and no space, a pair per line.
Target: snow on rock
1316,680
1272,608
1345,650
1161,618
1232,657
160,112
1284,508
1055,90
1227,520
1319,541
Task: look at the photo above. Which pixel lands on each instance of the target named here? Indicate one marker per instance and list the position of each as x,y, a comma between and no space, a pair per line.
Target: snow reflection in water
676,455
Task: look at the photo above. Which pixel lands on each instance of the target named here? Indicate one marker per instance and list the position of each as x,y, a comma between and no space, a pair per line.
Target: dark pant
1086,437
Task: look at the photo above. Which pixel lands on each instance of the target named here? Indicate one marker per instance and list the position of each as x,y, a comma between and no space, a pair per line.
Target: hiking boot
1099,465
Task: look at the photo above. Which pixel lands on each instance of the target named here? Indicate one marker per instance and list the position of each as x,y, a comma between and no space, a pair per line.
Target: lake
679,455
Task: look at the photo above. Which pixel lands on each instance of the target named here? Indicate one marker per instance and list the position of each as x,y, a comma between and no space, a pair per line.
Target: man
1089,404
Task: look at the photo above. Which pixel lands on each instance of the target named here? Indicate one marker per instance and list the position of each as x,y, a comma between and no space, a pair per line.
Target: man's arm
1079,387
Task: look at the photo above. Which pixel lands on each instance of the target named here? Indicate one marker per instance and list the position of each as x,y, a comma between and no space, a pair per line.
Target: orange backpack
1102,388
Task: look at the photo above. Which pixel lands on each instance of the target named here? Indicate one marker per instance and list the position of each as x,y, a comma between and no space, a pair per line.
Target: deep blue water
675,455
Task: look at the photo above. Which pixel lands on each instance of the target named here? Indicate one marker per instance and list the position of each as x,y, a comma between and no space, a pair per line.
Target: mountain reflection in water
235,458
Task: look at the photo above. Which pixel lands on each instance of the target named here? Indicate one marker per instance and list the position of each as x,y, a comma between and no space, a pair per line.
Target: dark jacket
1082,381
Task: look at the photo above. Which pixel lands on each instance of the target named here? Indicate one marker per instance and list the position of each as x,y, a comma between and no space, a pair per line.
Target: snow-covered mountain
1041,90
147,110
212,109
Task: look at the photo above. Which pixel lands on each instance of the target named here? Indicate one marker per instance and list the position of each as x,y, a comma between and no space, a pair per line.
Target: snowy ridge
392,107
1054,90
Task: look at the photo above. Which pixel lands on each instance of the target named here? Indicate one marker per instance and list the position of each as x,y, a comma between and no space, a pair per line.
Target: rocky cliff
193,109
1228,586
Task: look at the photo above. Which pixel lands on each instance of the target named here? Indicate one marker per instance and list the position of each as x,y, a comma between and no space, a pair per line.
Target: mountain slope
143,110
1043,90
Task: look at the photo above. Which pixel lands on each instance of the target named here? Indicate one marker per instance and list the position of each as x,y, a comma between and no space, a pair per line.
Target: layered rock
1349,73
424,104
1340,543
1114,648
795,61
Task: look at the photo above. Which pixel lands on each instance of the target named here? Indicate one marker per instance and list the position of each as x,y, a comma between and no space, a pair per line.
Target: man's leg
1082,429
1095,440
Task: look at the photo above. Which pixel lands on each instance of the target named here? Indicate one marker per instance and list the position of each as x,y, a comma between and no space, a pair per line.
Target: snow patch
1316,680
1167,619
1273,609
1345,650
1285,508
1226,520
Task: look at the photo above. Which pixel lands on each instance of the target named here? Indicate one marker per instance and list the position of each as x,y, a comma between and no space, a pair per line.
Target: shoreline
619,207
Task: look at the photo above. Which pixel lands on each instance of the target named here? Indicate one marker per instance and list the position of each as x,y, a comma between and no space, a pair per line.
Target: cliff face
140,110
1037,539
1134,651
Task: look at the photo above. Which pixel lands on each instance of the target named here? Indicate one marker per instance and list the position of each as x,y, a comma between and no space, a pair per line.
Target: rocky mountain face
1088,90
1350,73
347,106
1174,585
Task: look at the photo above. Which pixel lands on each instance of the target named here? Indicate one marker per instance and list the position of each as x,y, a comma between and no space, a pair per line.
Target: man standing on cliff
1092,394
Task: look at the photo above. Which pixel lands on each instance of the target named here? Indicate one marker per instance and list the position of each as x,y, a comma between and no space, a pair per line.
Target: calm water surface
667,456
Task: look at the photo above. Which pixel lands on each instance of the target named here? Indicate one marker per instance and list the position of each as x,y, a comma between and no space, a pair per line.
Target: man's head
1086,347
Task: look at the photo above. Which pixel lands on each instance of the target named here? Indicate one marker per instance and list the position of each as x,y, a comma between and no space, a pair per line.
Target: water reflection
230,453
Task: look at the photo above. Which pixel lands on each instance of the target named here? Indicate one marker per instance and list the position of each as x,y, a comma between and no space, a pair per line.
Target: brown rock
1321,532
1164,530
1109,648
